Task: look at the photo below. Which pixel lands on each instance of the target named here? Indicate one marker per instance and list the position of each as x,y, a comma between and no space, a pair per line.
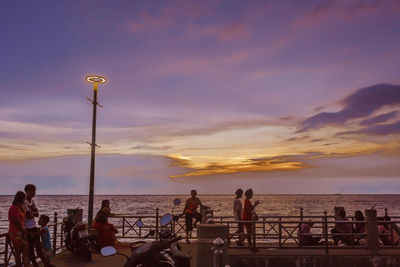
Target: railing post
280,231
254,231
157,231
61,236
55,234
391,234
352,233
123,227
264,227
372,229
300,224
386,212
325,228
6,251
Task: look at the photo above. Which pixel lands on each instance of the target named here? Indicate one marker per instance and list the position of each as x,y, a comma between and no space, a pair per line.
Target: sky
285,97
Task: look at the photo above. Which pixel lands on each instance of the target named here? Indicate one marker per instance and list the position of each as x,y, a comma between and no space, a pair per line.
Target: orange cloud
271,164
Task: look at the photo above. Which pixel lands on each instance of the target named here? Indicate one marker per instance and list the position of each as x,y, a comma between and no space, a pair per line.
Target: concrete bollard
218,253
372,229
206,234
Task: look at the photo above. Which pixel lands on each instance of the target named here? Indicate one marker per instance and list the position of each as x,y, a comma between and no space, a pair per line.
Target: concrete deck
67,259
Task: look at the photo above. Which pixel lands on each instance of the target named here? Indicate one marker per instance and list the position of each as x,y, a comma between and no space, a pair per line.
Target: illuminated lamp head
96,79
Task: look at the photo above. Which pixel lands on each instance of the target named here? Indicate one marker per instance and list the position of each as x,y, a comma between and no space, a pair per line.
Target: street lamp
95,79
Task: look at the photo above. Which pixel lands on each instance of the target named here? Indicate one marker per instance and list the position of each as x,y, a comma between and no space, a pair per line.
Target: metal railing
7,250
270,231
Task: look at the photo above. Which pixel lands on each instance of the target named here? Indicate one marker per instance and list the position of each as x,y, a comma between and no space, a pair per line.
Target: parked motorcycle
76,237
163,253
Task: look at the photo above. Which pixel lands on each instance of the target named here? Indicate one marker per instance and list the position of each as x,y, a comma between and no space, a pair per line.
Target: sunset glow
205,95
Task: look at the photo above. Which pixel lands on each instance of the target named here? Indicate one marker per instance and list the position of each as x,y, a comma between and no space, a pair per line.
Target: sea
284,205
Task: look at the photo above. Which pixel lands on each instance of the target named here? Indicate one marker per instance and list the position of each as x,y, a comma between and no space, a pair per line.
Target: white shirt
30,222
237,209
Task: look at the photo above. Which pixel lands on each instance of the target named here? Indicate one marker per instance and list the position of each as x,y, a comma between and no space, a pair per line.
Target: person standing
248,214
33,232
16,230
237,214
190,212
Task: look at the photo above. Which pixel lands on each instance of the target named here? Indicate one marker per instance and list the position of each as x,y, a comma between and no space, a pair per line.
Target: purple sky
212,95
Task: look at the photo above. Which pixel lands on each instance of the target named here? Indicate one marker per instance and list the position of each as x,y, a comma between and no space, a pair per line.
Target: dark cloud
379,119
350,7
360,104
381,129
316,140
297,138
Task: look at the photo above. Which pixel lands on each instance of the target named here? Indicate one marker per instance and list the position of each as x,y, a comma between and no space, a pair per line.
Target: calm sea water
221,204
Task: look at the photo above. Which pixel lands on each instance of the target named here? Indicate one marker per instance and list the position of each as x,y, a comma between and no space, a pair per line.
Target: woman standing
248,214
16,230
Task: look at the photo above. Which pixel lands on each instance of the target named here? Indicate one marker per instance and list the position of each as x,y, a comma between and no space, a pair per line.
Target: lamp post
95,79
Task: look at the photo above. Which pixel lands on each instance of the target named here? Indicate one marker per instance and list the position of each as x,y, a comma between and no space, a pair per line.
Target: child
45,234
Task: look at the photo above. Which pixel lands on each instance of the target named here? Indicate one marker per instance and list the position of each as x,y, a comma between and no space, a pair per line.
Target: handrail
267,228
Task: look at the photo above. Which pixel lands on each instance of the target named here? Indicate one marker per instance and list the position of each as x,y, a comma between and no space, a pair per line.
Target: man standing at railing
191,213
237,214
33,232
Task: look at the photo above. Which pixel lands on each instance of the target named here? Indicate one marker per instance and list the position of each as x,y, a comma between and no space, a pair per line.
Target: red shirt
247,210
15,213
191,205
106,235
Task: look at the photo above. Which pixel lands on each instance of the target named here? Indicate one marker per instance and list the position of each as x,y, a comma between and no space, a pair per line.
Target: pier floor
67,259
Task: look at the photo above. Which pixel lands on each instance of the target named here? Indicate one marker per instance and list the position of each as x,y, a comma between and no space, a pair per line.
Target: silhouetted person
190,211
16,230
31,227
248,214
359,226
237,214
342,228
104,210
